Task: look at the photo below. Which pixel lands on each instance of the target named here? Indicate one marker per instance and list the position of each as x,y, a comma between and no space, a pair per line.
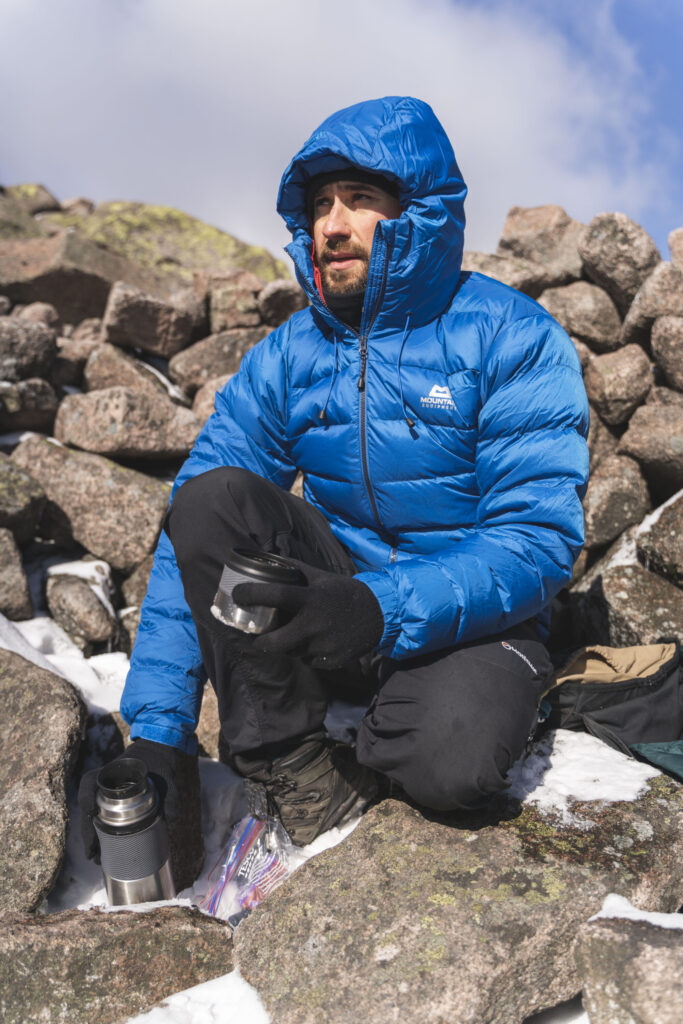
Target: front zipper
366,473
363,343
363,433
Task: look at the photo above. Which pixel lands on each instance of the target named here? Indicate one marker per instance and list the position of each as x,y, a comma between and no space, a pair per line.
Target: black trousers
446,726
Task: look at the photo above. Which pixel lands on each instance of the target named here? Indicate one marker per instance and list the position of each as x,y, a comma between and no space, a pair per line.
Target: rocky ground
118,323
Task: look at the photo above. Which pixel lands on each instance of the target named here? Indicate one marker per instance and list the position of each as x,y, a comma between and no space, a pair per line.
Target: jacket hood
416,258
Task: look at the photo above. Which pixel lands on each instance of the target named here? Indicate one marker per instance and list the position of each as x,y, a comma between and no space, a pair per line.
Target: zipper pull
363,362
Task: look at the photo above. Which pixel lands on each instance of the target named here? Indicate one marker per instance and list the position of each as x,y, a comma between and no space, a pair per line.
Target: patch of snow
220,1001
171,389
626,553
48,637
100,684
650,520
79,884
13,639
331,838
96,573
565,766
618,906
112,670
570,1012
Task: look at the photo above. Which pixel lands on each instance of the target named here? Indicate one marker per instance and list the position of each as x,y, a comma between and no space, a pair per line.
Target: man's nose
336,223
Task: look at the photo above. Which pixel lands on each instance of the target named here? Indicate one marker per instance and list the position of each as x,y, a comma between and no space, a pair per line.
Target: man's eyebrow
349,185
359,184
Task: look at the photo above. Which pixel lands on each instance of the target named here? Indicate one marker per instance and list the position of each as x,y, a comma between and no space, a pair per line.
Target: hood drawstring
322,415
409,420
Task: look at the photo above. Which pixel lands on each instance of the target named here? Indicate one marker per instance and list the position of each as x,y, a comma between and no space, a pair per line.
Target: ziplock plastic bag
258,858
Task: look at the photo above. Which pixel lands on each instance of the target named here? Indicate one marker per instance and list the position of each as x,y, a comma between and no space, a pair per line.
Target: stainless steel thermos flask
132,834
245,566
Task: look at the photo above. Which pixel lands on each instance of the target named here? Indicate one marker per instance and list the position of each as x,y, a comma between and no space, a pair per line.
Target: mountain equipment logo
438,398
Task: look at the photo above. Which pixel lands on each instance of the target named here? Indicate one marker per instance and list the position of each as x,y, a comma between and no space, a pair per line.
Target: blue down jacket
463,524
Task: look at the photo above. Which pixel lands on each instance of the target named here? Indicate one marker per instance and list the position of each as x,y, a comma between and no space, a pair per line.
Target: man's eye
361,195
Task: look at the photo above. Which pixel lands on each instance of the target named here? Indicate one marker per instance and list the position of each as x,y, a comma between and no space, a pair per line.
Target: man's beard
349,283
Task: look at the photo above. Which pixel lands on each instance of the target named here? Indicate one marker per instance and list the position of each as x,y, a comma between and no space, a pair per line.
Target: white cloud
201,105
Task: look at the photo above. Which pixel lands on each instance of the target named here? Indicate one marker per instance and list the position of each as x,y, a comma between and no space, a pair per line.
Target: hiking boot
314,787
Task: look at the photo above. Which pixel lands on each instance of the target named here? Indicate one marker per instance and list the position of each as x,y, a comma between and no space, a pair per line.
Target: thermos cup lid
126,797
123,778
264,567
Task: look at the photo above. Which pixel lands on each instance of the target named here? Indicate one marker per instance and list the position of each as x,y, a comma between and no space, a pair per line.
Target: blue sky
645,39
200,106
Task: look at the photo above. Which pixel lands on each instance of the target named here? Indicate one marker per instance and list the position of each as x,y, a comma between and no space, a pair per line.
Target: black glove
333,620
176,778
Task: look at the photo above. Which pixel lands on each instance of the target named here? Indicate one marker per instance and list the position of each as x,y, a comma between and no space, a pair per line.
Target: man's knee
201,492
447,775
206,496
455,783
449,726
446,737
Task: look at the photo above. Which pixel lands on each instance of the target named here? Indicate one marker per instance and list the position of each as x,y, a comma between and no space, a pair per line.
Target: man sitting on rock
439,421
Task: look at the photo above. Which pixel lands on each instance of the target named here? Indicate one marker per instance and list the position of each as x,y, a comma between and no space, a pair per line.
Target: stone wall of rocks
107,374
116,401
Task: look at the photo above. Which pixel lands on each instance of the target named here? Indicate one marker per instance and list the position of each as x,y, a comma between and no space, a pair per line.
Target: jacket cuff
382,586
162,734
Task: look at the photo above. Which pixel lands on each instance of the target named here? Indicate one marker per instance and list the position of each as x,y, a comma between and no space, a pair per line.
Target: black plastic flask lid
264,567
123,778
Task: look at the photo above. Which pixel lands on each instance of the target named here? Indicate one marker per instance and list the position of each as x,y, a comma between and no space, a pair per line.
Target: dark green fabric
666,756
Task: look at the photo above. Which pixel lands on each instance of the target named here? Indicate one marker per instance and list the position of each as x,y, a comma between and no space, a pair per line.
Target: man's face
344,217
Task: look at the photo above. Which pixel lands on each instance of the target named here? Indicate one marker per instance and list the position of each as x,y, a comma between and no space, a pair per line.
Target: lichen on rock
168,242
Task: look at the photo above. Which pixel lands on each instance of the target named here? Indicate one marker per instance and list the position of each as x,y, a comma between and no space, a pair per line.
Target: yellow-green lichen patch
663,787
553,883
32,198
25,191
594,837
169,242
430,956
442,899
499,894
